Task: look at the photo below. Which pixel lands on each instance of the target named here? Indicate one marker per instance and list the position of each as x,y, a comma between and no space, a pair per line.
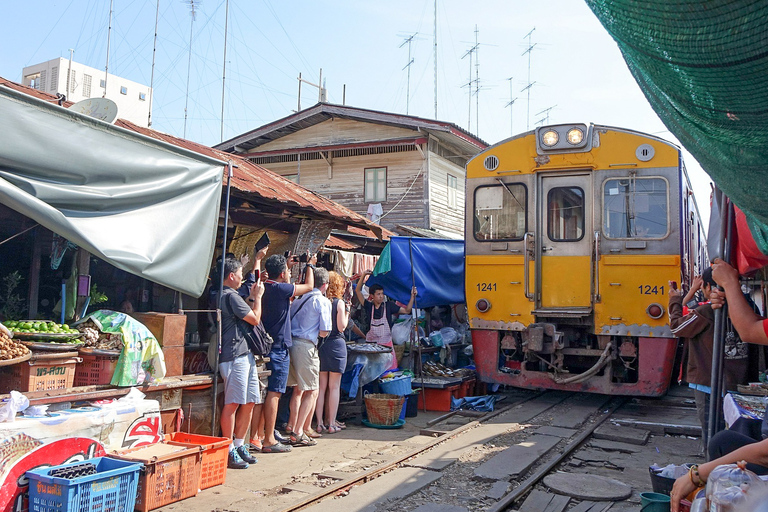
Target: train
572,235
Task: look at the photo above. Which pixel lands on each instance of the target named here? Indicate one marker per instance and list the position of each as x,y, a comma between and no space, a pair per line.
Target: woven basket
383,409
399,350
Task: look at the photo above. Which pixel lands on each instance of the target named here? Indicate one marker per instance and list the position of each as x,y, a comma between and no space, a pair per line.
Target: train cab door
563,245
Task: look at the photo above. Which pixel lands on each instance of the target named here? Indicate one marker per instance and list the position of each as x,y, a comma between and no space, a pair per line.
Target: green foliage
97,297
12,305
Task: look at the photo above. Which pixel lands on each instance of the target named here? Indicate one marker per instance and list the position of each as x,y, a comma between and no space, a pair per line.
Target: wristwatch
251,300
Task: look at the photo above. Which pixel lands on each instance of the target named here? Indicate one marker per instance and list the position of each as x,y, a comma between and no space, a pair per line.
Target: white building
84,82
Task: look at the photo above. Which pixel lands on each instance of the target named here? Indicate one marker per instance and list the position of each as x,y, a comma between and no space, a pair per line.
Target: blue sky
576,66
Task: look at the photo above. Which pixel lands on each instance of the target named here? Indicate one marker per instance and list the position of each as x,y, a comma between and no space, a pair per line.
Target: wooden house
412,167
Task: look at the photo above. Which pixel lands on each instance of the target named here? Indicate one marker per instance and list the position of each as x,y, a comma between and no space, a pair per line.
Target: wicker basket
383,409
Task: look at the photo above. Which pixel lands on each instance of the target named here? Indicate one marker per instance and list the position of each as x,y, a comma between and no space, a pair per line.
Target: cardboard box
168,328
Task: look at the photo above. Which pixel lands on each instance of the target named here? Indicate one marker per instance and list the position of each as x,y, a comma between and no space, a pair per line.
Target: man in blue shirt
310,318
278,292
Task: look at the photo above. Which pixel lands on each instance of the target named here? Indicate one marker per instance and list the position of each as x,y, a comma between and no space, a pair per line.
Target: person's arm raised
747,323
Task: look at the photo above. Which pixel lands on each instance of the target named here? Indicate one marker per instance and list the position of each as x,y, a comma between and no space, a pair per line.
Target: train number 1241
486,287
647,289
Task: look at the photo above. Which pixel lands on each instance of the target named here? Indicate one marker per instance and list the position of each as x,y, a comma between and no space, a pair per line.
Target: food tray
9,362
368,348
51,346
87,351
41,336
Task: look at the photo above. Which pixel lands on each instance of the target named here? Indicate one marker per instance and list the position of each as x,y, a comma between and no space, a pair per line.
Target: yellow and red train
572,234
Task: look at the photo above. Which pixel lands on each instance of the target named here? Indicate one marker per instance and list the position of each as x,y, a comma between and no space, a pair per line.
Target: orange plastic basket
95,370
43,374
166,477
215,452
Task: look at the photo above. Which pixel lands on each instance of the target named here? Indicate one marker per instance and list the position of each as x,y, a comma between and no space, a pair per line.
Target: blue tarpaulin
438,269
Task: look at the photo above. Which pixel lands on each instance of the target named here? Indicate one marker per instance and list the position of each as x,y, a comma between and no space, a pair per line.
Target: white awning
145,206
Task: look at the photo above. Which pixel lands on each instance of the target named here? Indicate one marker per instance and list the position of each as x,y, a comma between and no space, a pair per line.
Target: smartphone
673,284
262,243
258,273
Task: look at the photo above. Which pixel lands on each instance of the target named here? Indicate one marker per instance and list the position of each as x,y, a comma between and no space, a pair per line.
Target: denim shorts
241,380
280,365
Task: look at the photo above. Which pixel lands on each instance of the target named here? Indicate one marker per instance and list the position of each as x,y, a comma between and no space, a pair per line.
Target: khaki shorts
305,365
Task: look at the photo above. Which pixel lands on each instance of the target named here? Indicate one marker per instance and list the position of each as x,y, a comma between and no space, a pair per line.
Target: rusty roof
248,177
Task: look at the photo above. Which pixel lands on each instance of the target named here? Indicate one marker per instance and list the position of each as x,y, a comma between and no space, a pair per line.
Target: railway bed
498,461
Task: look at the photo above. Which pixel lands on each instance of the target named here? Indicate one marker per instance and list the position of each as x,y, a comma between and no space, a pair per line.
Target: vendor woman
381,313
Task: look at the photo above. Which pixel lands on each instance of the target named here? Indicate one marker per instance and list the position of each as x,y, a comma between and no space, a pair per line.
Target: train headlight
655,310
483,305
574,136
550,138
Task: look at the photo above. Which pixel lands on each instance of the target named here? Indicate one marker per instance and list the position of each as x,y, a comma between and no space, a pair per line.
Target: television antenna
511,105
408,40
530,84
192,13
544,119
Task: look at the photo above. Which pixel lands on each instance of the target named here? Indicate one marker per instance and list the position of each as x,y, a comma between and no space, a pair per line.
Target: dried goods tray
16,360
88,351
370,348
436,382
51,346
41,336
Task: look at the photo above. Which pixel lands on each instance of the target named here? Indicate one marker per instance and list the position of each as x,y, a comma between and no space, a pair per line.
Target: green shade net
384,264
703,66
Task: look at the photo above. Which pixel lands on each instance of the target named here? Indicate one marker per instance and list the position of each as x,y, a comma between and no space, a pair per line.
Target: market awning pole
218,304
716,377
415,332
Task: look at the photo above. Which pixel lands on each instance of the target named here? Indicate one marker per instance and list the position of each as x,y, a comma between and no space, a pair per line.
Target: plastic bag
436,339
16,403
728,484
401,331
449,334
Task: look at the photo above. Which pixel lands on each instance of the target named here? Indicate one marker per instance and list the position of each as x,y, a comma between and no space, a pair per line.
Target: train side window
500,212
635,208
565,214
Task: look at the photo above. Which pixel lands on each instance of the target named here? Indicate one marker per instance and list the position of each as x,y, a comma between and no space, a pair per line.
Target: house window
142,96
71,78
87,86
453,191
54,79
376,185
123,89
33,81
293,177
103,83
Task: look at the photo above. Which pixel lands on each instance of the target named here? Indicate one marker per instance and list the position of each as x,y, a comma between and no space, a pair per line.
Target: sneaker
242,451
280,438
235,462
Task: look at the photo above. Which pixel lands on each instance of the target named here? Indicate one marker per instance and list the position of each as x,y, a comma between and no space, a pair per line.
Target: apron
381,334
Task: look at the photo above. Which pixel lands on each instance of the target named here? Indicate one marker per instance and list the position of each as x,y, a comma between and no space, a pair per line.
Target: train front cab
570,244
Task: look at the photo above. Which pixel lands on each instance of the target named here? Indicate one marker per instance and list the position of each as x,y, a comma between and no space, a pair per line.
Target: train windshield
500,212
635,208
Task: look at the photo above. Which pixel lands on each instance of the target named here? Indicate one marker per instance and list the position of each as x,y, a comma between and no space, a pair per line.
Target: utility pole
435,45
511,105
530,84
69,72
152,75
408,41
109,37
189,68
224,72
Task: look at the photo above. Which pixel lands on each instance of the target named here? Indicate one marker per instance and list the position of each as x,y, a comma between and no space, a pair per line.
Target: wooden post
34,278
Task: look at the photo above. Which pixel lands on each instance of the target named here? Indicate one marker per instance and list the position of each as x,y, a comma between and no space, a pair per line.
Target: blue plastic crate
111,489
400,386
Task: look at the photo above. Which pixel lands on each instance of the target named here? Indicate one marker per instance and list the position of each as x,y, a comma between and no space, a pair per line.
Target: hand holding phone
262,243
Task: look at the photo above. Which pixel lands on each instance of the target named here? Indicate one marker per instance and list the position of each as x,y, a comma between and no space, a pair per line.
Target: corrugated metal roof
335,242
448,132
247,177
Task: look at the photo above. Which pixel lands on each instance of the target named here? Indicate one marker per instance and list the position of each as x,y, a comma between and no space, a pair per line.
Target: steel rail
374,472
540,473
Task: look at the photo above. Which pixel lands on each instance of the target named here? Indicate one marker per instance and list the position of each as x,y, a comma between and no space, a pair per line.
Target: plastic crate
166,477
213,469
112,488
95,370
40,374
467,388
438,399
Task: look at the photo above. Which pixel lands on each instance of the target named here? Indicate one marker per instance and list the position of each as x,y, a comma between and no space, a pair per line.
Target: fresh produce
11,349
39,327
94,338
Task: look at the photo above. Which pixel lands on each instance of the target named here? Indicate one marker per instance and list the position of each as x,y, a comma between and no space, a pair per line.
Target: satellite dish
99,108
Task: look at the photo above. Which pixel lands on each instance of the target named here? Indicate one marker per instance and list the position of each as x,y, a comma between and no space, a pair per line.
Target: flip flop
341,425
312,433
333,429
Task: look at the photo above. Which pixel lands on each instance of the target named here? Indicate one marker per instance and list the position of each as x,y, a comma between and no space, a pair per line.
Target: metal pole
299,105
416,328
69,73
152,75
224,73
435,45
218,303
109,37
715,398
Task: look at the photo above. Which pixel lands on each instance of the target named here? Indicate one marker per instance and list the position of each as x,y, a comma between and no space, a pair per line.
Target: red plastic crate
438,399
166,477
95,370
215,452
467,388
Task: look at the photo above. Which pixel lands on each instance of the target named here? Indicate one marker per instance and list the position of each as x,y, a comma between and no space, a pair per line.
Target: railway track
491,462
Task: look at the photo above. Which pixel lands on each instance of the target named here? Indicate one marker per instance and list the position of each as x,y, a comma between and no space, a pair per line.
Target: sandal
313,433
321,428
255,445
276,448
333,429
302,440
340,425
